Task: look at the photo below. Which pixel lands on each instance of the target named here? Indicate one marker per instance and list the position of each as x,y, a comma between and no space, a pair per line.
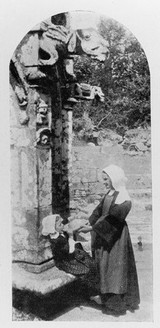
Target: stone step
40,283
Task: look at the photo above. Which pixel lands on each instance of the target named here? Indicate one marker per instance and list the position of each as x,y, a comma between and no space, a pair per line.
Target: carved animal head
88,41
52,43
56,40
87,91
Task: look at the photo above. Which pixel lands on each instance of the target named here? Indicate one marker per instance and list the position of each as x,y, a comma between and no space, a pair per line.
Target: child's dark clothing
77,263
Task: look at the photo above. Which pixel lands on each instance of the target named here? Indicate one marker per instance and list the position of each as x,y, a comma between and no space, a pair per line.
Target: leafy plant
124,79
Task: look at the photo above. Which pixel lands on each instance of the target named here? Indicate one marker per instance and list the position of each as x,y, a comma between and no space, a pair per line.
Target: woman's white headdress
118,179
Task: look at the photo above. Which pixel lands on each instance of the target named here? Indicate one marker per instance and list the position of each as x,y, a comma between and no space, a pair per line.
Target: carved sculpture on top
20,87
56,44
88,41
88,92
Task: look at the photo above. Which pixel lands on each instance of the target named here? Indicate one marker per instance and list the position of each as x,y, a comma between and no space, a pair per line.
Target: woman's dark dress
113,253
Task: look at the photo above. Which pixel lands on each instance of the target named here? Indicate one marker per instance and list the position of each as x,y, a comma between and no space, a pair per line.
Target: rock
133,147
112,136
141,146
73,205
91,144
137,139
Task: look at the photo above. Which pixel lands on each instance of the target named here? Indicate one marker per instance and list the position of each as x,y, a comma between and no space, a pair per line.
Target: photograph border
142,18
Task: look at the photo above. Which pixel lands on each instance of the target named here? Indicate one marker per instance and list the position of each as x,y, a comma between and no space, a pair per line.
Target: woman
68,254
111,245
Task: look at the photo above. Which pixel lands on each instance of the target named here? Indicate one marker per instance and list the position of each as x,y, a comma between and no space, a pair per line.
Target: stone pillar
41,133
31,181
31,165
41,141
66,156
61,152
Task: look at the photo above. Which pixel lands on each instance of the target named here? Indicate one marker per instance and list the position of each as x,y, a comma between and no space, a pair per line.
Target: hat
118,179
48,225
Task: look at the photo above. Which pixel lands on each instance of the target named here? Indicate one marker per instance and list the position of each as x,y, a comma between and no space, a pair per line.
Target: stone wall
88,162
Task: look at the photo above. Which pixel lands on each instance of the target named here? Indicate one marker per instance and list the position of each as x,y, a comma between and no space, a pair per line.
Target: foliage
84,127
124,79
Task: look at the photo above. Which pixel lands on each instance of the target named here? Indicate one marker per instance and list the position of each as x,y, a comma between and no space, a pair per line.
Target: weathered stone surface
27,242
17,113
29,178
24,234
20,238
40,283
14,108
23,137
25,255
15,178
90,175
44,211
45,177
35,256
28,53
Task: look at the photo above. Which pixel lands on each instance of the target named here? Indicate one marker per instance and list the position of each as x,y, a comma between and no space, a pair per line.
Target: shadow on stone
50,306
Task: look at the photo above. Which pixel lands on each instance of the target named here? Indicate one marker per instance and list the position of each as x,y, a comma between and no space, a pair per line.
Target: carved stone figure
43,137
52,45
88,41
42,111
88,92
57,42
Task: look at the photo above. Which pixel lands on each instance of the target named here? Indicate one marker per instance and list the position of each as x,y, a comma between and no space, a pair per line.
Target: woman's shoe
113,312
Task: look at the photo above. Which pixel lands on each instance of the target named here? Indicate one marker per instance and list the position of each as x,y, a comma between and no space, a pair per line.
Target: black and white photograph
80,169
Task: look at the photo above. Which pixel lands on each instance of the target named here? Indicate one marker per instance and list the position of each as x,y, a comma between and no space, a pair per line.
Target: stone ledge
36,268
40,283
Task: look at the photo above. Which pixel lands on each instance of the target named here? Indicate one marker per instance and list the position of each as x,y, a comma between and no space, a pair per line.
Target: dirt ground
72,305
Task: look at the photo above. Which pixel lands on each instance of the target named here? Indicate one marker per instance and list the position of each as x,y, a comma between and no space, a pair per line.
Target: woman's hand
86,228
